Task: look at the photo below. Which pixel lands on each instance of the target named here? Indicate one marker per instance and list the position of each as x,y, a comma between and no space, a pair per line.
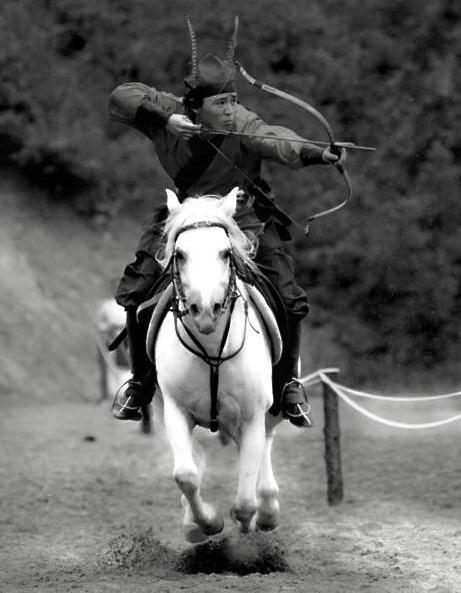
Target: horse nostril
194,309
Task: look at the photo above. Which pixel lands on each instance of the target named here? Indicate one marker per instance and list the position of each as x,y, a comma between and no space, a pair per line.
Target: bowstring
250,181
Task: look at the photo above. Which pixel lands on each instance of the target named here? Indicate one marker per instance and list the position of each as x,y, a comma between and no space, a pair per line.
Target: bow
315,113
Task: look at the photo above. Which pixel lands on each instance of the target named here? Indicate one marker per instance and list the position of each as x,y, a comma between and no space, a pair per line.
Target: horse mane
205,208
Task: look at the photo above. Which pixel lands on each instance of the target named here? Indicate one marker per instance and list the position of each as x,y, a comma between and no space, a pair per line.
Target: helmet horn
232,45
194,54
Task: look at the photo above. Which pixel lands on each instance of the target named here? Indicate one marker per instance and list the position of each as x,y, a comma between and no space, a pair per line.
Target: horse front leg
268,515
251,450
200,519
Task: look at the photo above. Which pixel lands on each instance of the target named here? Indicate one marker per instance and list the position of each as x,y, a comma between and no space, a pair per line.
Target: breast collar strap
214,362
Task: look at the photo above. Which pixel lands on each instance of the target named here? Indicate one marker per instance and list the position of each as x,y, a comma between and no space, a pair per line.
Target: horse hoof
194,534
244,517
216,527
267,521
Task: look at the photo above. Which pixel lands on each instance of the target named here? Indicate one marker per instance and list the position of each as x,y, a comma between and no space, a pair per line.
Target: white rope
314,378
396,398
314,381
337,389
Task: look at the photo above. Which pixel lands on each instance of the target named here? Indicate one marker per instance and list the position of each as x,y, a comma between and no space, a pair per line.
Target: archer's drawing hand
181,125
335,158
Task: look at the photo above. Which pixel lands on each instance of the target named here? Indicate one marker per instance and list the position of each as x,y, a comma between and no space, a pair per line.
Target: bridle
231,290
180,309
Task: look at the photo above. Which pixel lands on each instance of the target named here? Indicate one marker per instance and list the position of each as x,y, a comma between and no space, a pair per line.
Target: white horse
114,367
214,364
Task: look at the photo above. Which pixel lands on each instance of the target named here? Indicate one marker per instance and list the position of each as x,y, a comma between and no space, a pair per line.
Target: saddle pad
269,321
256,298
161,308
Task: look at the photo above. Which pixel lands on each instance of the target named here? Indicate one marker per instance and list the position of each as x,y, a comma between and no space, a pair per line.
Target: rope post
332,442
104,394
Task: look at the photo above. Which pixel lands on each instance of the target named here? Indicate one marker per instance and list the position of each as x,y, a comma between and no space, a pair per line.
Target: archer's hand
335,158
181,125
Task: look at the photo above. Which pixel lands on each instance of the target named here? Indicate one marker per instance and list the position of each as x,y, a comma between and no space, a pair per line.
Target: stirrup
305,414
126,406
299,413
299,387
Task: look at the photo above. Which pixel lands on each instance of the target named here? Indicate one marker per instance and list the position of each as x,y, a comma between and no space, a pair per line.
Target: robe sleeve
279,144
142,107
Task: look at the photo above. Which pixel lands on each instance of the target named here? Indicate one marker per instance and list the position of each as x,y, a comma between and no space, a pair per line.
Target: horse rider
185,134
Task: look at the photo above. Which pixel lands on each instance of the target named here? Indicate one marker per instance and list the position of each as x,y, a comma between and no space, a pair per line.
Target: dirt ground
89,505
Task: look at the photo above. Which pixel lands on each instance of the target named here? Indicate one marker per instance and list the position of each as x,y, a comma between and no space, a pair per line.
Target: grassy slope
55,268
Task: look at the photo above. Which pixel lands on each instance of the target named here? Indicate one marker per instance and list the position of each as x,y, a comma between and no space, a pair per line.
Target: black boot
295,406
129,401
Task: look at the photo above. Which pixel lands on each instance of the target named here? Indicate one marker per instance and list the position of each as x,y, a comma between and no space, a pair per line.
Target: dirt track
103,515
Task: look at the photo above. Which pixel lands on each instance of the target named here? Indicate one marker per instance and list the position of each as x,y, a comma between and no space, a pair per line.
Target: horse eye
226,254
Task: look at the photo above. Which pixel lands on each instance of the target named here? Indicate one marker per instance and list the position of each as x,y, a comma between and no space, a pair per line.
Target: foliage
384,73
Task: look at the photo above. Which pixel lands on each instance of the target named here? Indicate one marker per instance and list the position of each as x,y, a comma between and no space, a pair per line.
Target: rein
231,296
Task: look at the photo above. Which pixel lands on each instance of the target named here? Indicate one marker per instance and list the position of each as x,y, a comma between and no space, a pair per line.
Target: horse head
201,240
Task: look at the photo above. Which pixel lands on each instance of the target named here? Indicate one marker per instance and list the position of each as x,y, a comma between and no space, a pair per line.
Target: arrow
342,144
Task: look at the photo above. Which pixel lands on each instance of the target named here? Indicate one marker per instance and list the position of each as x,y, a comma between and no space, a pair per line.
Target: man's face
218,111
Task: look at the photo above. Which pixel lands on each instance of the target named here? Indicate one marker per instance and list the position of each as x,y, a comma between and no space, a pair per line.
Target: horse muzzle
206,318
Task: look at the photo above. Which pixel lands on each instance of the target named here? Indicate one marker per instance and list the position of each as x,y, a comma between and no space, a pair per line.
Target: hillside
55,267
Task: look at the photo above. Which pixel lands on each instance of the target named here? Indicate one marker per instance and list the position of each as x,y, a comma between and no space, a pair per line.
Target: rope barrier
397,398
314,378
338,389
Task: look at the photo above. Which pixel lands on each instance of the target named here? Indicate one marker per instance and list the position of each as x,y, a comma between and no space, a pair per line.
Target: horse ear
229,202
172,201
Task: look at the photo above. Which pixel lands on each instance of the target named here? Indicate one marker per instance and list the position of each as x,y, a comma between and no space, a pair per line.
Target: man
202,162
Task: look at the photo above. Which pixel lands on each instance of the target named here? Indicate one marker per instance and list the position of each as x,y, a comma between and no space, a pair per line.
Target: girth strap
214,362
214,404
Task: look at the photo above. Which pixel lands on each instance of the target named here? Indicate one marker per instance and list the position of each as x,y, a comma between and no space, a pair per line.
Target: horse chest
244,375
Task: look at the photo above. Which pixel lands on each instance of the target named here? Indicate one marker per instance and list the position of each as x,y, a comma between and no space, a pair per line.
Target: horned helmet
210,75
